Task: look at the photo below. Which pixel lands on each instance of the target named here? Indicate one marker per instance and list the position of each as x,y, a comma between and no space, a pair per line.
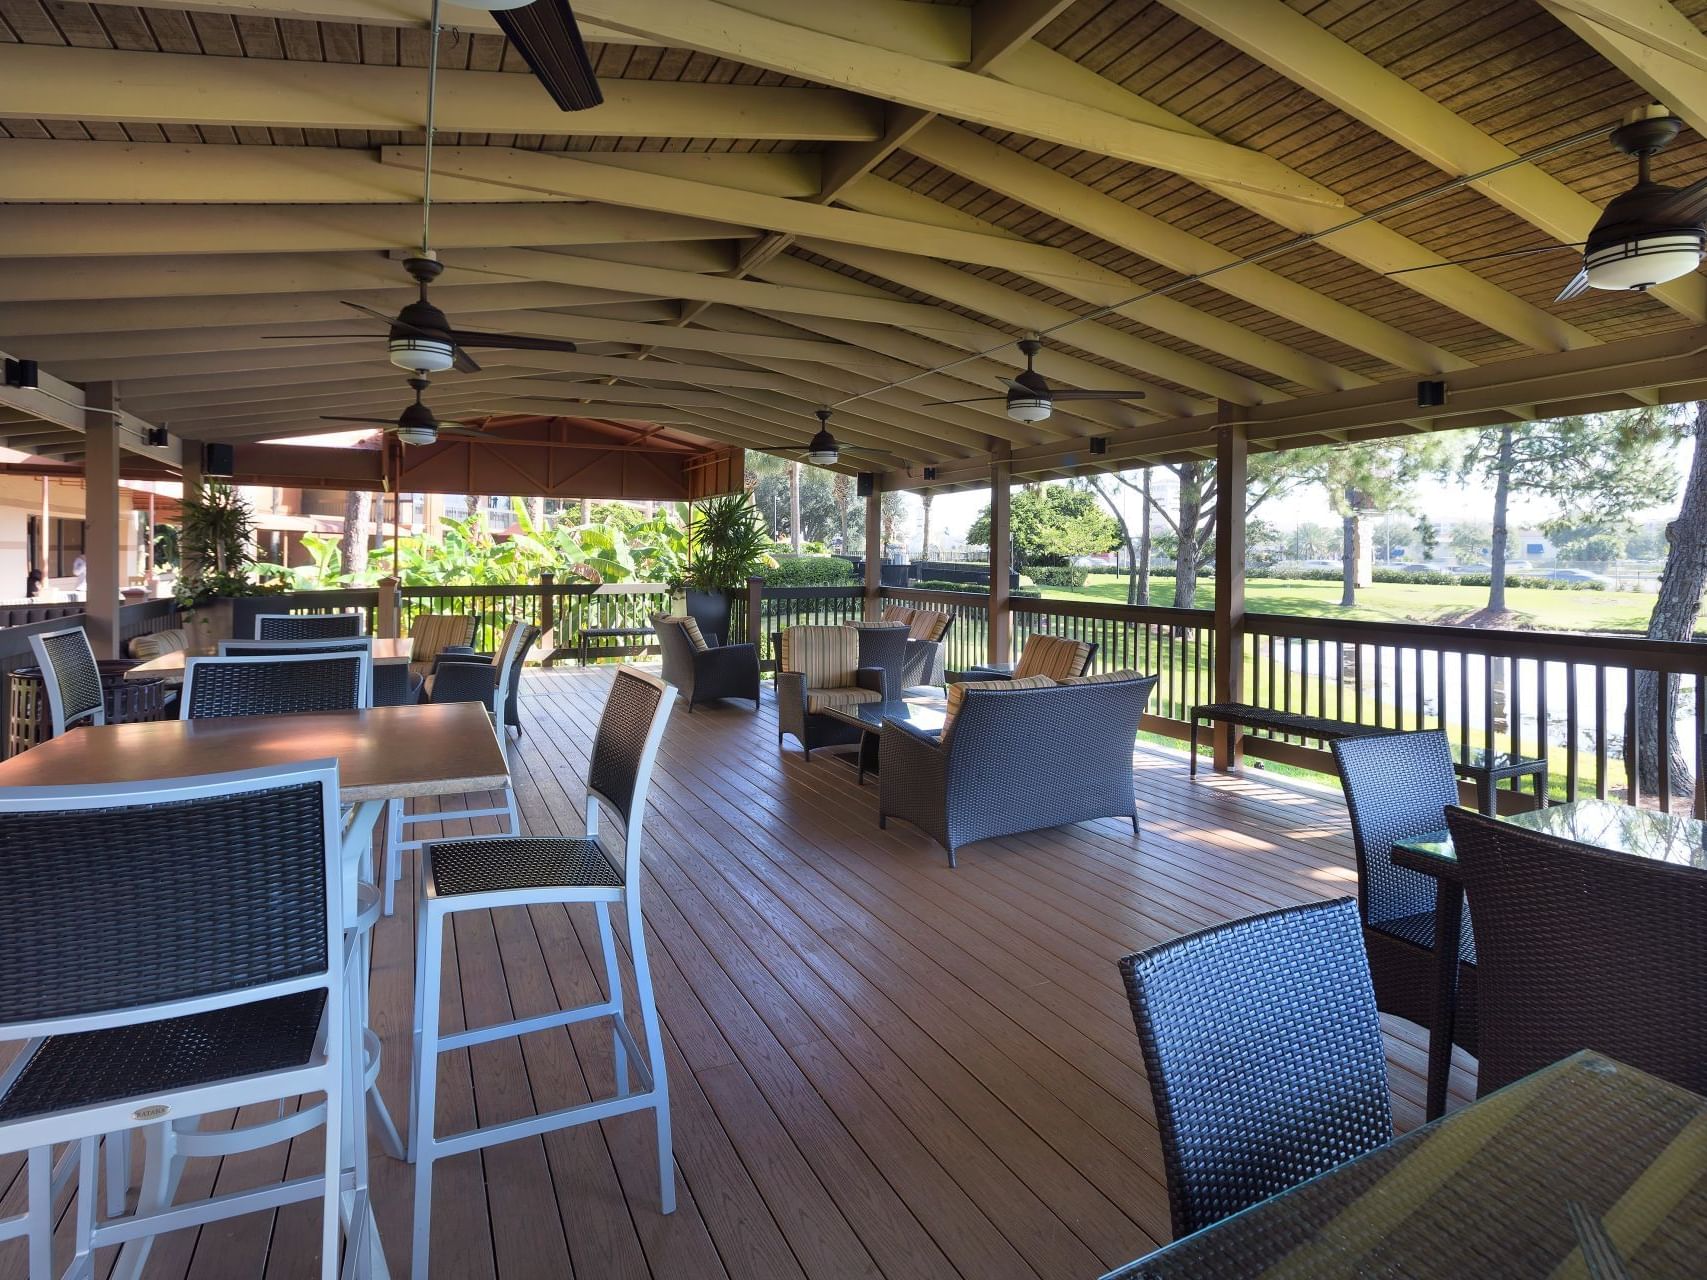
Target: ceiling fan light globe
421,355
1029,408
1644,261
417,435
823,457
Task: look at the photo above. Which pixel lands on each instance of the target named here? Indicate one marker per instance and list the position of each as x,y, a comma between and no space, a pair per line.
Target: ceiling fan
824,450
1031,399
418,424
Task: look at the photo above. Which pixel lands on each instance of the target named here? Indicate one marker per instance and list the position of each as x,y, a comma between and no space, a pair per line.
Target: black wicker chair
708,673
309,626
1263,1047
1583,948
71,678
462,675
1398,786
1017,760
274,685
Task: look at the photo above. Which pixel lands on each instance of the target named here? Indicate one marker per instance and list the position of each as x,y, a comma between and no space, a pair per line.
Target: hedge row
809,571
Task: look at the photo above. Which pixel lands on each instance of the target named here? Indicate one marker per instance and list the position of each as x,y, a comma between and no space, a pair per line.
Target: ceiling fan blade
509,341
315,337
462,362
1687,207
382,422
1062,393
1578,284
393,321
545,34
968,400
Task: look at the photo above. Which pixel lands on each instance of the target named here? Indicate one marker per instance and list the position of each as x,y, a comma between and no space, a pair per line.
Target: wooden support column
388,621
873,550
1001,562
1231,458
192,466
102,514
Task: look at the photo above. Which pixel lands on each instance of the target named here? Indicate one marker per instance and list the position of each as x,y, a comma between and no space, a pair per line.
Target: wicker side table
28,721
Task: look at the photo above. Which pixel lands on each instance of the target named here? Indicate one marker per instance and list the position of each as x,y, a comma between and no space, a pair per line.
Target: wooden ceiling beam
1369,244
959,150
52,231
1056,268
151,172
1295,46
729,32
1653,44
46,82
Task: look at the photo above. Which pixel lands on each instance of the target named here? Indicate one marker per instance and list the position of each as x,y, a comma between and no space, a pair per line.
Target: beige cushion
431,633
690,626
158,643
927,624
818,700
957,694
1053,656
826,656
1106,677
896,613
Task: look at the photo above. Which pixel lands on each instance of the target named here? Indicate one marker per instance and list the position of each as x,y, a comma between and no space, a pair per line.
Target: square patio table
170,666
1602,824
1584,1155
925,712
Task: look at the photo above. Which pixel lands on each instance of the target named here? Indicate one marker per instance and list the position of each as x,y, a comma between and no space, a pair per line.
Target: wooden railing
782,607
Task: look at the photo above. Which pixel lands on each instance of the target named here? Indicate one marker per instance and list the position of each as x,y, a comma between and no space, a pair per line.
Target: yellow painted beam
51,83
1370,244
1292,44
729,32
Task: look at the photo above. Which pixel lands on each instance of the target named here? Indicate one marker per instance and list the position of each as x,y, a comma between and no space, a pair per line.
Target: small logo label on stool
150,1113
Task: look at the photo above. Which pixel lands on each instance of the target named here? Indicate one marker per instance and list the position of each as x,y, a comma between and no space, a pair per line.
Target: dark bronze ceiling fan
1030,398
418,424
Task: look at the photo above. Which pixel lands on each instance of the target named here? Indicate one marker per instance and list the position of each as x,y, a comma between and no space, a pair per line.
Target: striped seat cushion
159,643
819,700
826,656
1106,677
927,624
957,694
896,613
1054,656
431,633
690,626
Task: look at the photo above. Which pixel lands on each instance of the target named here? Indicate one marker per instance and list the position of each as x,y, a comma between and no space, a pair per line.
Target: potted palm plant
216,567
728,544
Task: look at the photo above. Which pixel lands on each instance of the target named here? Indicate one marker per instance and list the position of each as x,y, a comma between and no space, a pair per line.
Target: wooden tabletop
171,665
382,754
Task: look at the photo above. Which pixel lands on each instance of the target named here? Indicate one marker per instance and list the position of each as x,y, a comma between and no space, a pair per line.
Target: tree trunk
352,546
1677,608
1190,534
794,507
925,500
536,512
1348,559
1142,594
586,511
1496,550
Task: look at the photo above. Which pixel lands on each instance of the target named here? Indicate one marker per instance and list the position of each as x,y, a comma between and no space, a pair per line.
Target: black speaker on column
218,459
866,484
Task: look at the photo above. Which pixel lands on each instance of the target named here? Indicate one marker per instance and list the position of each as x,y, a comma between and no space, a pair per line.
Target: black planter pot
711,610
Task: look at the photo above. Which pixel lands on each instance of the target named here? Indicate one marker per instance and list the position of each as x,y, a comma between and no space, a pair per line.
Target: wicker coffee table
925,713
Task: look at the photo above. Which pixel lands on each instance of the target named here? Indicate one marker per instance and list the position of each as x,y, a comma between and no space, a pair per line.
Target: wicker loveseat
1017,755
818,668
705,672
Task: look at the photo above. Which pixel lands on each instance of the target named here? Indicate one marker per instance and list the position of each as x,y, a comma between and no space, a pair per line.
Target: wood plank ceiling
784,205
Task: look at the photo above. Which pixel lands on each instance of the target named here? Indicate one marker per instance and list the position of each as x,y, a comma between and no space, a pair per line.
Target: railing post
547,612
873,550
390,609
1001,562
755,614
1230,478
103,520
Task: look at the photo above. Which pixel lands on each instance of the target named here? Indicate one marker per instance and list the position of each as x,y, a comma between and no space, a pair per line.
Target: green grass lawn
1405,602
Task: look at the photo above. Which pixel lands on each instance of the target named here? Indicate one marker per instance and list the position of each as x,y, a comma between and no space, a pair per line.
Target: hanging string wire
1285,246
427,153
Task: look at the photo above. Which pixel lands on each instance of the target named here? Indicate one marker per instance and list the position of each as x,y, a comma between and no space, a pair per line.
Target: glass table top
925,714
1643,833
1477,759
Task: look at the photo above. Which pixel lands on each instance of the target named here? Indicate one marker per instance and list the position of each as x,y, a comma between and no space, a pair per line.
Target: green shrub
810,571
972,588
1070,577
1437,578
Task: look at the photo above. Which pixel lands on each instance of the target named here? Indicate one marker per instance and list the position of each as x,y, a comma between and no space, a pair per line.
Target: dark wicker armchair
1583,948
818,668
1263,1047
1016,758
705,672
1398,786
460,675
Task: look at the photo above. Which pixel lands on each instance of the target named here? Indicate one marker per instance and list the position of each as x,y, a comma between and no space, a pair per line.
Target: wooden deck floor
879,1066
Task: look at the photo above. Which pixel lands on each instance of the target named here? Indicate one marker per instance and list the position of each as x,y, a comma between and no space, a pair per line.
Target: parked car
1581,575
